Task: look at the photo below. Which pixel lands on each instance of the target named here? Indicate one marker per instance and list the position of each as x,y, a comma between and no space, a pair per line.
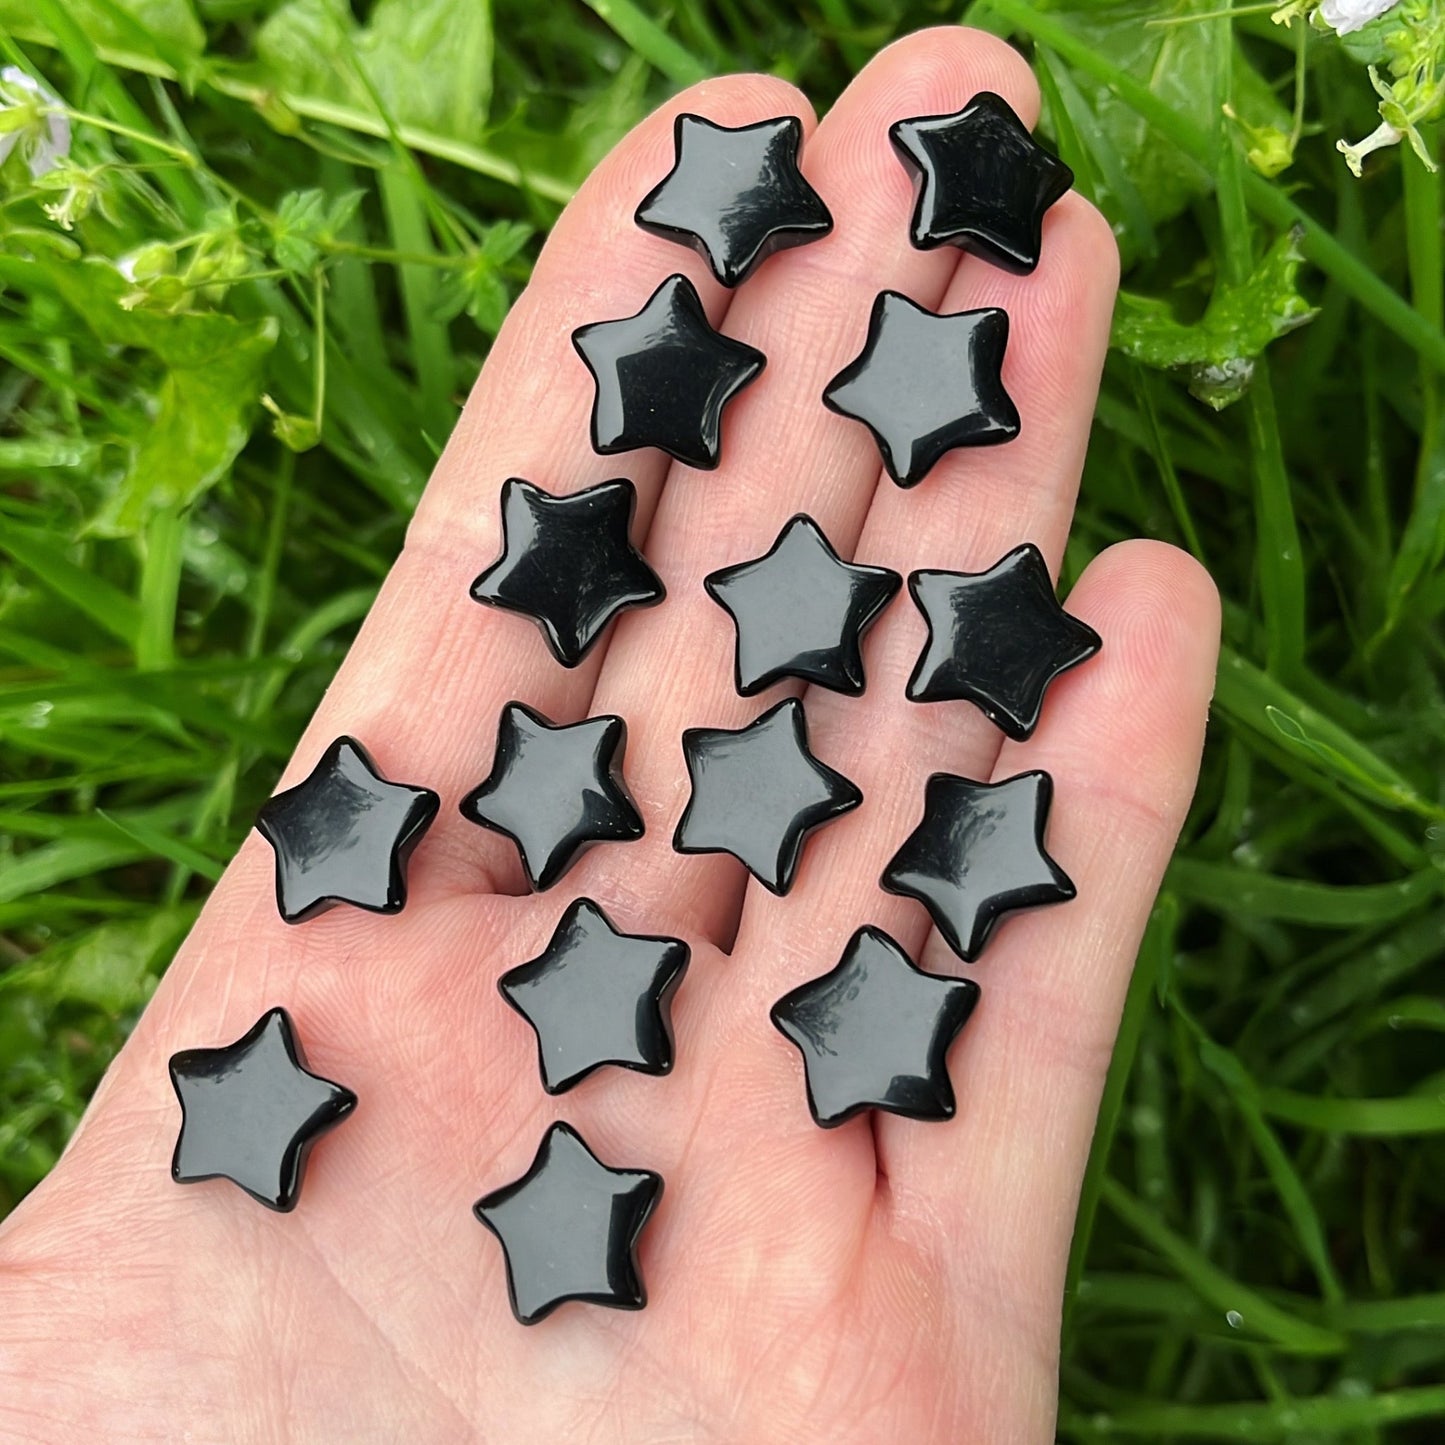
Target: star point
925,383
997,639
663,377
555,790
344,834
735,195
981,182
874,1033
251,1111
568,563
569,1228
801,611
758,792
977,855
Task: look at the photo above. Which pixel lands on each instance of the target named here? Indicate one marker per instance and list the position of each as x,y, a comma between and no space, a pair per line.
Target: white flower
30,122
1380,138
1343,16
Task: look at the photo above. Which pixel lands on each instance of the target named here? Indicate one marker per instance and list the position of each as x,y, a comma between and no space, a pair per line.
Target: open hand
885,1281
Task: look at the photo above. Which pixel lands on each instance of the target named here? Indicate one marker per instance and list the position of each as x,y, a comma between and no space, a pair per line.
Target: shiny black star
555,790
569,1228
981,182
801,611
569,563
977,855
344,835
595,996
664,376
874,1033
997,639
924,384
250,1112
736,195
757,792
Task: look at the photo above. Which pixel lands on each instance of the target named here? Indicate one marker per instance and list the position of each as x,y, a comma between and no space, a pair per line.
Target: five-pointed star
251,1111
801,611
979,854
555,790
997,639
569,1228
981,181
569,563
874,1033
344,835
664,376
924,384
757,792
735,196
596,996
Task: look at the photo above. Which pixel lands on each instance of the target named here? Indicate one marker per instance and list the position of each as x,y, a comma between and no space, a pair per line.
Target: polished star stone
981,182
569,1228
801,611
874,1033
757,792
664,376
736,196
569,563
555,790
597,996
997,639
977,855
250,1112
344,835
924,384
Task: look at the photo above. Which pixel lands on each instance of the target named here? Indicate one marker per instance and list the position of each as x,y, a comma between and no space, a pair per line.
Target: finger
972,508
425,681
1029,1070
672,668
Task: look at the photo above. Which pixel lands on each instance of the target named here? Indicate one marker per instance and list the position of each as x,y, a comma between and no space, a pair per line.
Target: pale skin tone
885,1281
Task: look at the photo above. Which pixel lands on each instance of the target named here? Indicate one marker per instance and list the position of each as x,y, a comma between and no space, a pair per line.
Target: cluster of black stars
874,1031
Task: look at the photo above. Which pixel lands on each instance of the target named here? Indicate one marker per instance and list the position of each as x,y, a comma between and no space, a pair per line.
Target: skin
885,1281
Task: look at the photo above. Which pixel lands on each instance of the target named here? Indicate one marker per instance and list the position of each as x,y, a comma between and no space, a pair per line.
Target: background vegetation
236,324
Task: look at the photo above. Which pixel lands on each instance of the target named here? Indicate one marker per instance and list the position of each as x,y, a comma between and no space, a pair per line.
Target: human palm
888,1280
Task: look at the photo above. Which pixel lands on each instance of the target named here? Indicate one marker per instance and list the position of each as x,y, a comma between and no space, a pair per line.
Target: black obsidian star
757,792
736,196
874,1033
981,182
555,790
801,611
569,563
344,835
596,996
250,1112
997,639
977,855
924,384
569,1228
664,376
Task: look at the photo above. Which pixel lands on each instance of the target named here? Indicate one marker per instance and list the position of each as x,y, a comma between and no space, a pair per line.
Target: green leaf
429,60
103,603
1243,892
649,40
167,26
1258,1317
115,965
213,367
1252,698
1220,349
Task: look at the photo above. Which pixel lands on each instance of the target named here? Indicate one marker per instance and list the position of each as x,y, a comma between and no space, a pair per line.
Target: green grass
206,466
